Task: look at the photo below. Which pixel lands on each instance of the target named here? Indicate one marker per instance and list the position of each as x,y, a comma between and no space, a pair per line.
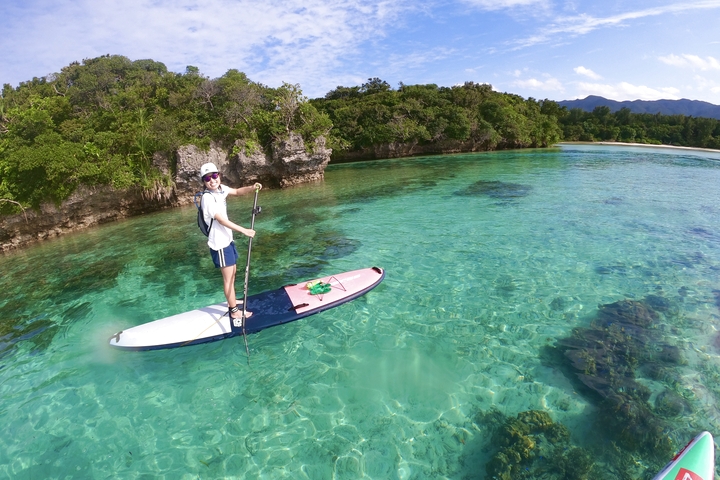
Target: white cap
207,168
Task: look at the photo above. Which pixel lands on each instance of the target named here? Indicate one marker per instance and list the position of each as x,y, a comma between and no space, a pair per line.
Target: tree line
374,113
624,126
100,122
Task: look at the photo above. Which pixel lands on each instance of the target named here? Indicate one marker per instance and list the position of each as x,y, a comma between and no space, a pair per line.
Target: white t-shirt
213,203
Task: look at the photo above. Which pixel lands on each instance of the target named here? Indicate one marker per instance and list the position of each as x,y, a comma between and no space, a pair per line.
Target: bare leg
228,274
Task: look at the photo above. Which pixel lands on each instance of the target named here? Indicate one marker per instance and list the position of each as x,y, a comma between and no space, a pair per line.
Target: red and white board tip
695,461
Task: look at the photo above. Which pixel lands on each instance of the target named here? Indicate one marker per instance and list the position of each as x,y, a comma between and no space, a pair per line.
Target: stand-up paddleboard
269,309
696,461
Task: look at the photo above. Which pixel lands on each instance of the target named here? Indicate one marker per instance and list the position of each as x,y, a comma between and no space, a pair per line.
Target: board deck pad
696,461
275,307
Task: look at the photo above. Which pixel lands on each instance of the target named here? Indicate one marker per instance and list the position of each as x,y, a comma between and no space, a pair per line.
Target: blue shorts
226,257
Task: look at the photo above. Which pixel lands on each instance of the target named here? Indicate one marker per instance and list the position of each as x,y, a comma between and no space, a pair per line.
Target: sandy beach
645,145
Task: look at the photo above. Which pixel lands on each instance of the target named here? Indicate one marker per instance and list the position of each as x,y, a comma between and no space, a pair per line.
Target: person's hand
250,233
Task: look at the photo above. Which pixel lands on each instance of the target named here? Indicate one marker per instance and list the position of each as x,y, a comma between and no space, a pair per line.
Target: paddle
255,211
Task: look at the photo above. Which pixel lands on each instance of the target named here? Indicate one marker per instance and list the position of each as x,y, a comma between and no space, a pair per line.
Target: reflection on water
545,314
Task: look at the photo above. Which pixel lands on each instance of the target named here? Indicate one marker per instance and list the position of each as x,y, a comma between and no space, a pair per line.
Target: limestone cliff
288,164
409,149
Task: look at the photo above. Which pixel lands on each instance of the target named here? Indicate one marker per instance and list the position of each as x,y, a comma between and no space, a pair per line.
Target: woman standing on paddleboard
220,236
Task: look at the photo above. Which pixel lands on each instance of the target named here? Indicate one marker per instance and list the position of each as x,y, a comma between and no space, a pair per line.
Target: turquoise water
490,259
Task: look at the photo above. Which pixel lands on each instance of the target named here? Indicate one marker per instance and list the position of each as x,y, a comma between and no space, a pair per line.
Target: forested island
113,124
474,117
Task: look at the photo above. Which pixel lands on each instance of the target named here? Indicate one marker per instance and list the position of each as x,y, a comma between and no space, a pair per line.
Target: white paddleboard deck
275,307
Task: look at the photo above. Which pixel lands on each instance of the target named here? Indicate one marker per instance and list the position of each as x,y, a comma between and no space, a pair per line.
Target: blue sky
561,50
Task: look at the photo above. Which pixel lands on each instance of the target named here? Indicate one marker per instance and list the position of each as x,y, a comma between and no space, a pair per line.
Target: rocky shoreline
287,164
411,149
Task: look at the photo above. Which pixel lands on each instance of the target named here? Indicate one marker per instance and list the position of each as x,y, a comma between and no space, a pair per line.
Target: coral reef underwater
532,446
603,359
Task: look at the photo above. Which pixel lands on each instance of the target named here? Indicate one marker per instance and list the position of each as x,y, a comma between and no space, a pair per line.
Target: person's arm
244,190
234,226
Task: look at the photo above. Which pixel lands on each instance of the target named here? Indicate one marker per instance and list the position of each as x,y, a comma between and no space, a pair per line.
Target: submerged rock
658,303
626,312
495,189
505,285
671,404
558,304
603,359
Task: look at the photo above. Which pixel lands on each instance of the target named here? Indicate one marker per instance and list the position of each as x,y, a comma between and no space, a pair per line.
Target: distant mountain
693,108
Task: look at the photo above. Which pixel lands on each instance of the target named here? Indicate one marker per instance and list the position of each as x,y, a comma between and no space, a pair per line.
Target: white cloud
324,43
627,91
396,64
505,4
703,84
674,60
691,61
300,41
549,84
587,72
584,23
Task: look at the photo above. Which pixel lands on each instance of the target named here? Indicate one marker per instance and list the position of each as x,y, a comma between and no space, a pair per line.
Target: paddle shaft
247,274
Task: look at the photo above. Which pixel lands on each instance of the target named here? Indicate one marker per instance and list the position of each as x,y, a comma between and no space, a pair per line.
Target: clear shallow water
401,383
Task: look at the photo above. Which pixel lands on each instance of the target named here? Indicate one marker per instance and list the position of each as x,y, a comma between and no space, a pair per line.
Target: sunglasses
207,177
